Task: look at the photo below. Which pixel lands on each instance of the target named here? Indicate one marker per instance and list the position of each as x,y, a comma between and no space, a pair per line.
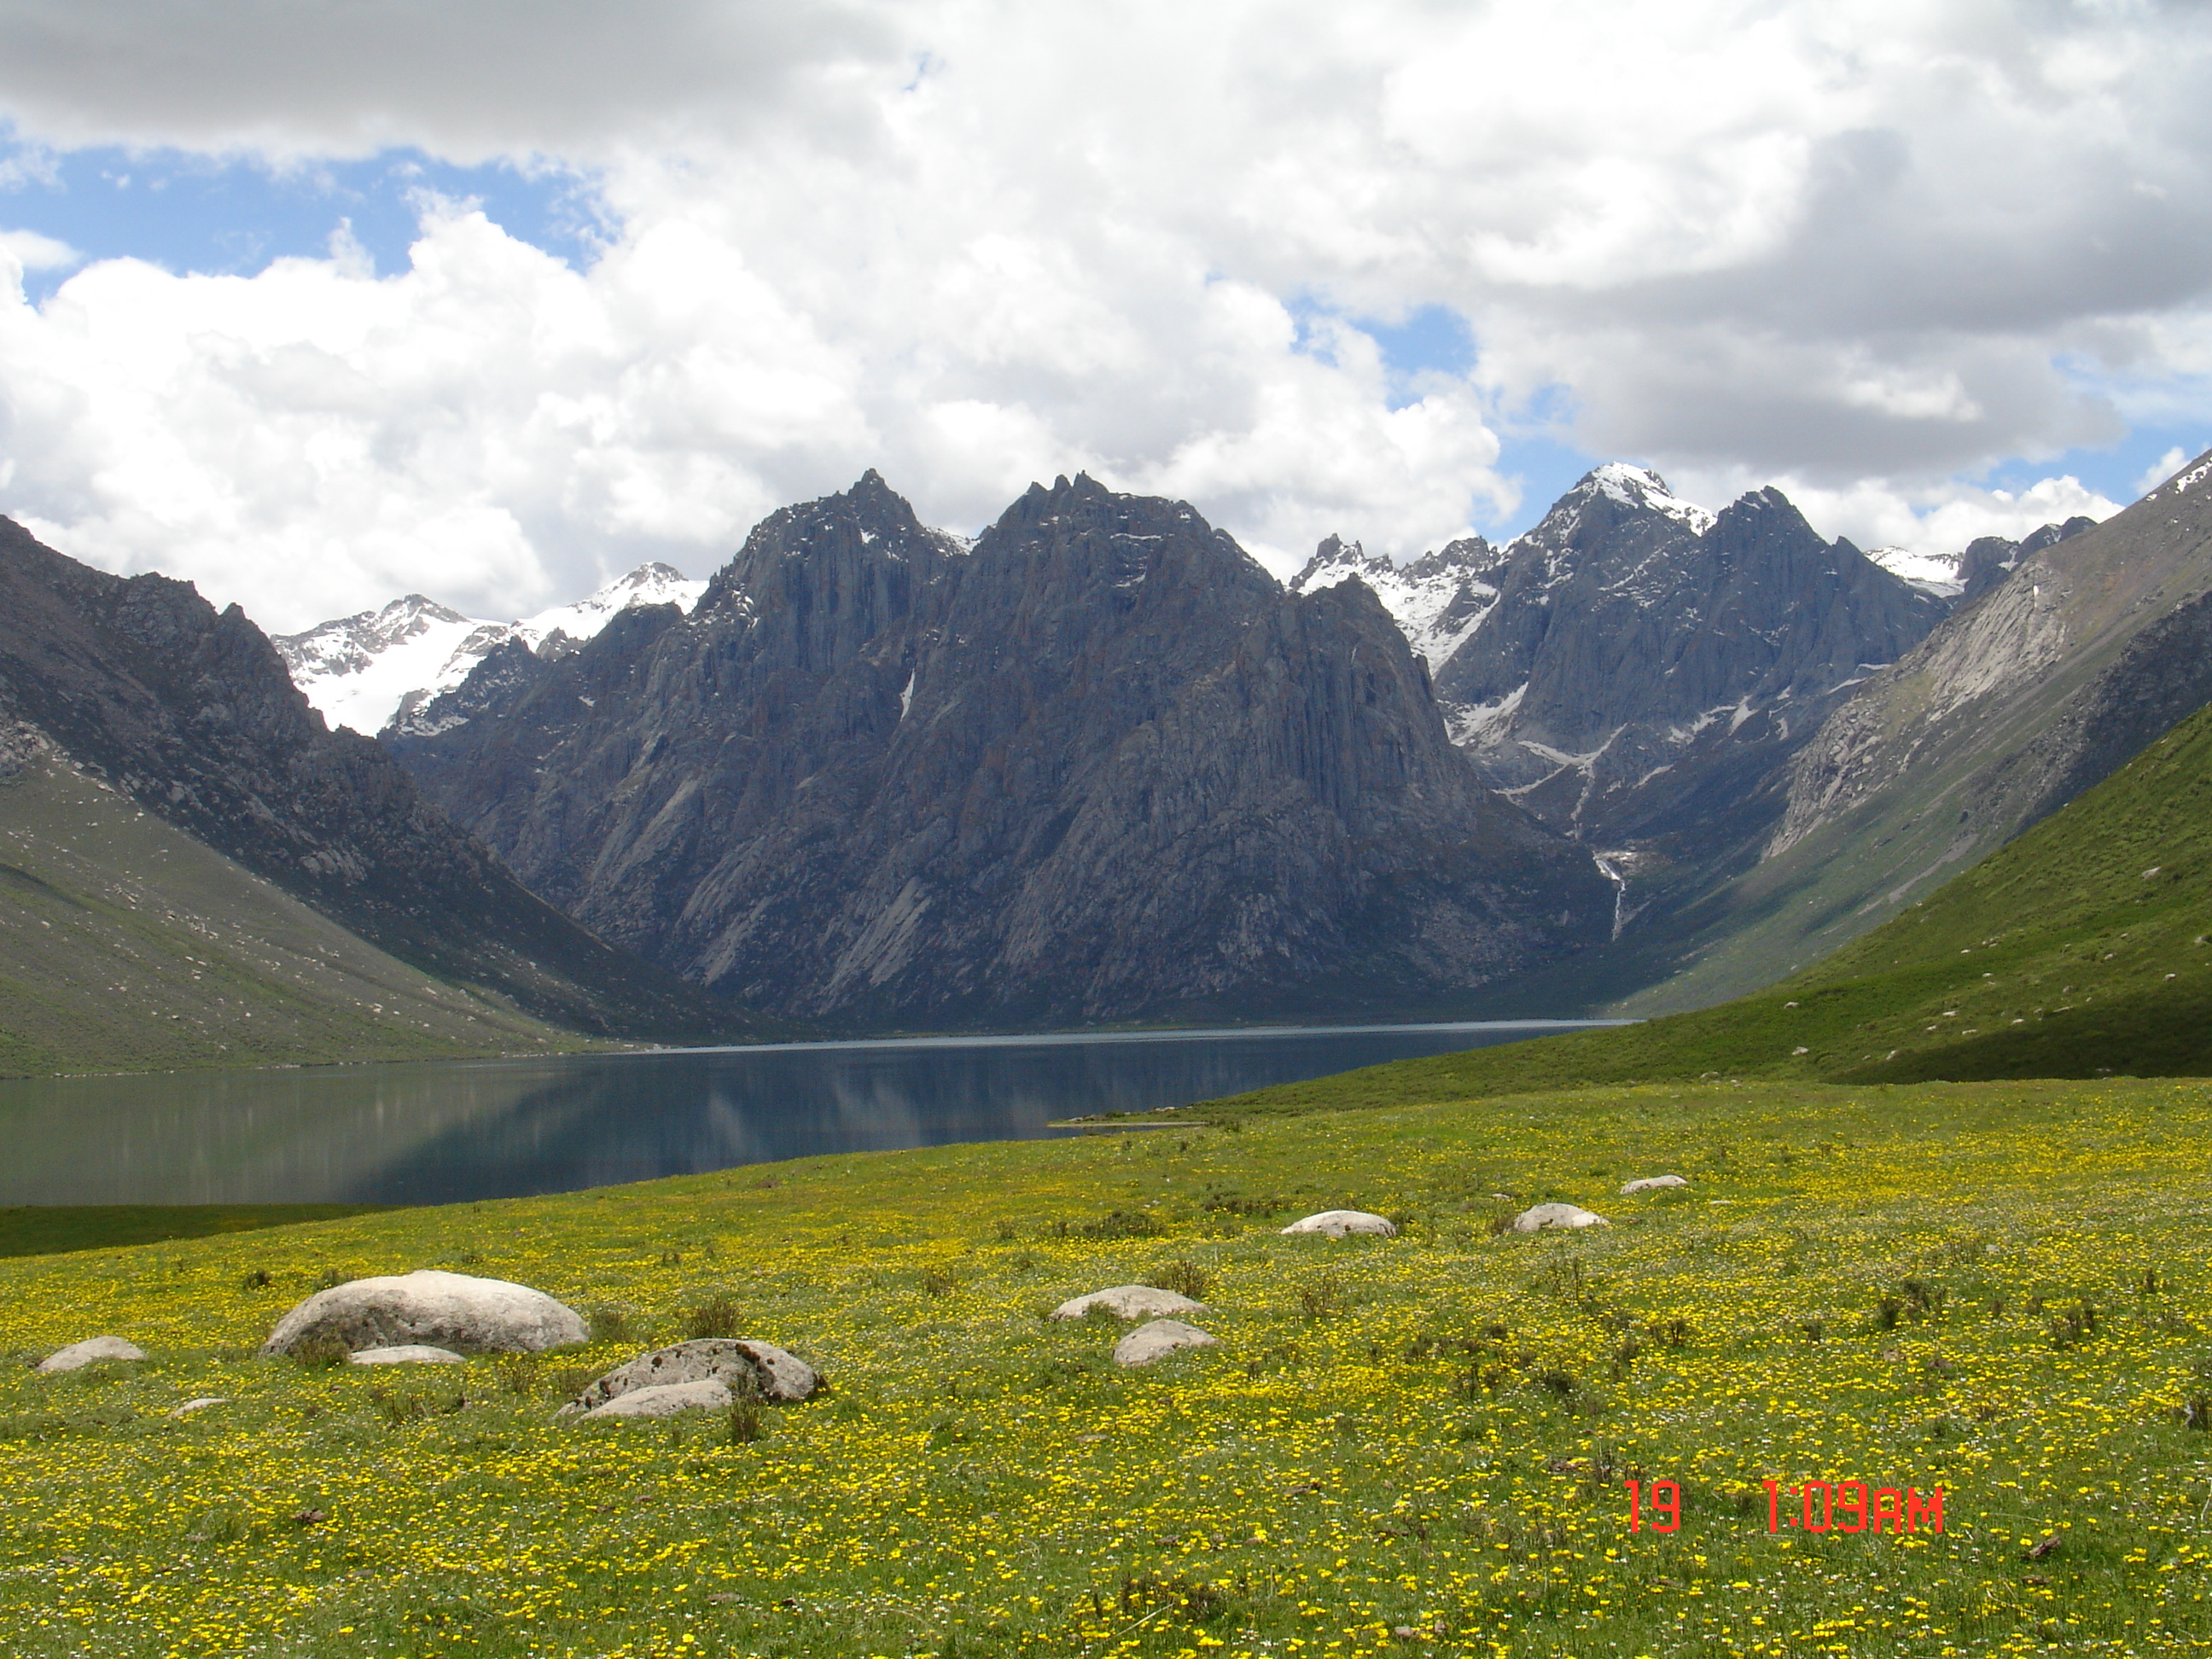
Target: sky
316,304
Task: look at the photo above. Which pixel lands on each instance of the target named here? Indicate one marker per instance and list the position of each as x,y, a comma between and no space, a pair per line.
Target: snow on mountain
1639,486
1437,601
1931,573
367,670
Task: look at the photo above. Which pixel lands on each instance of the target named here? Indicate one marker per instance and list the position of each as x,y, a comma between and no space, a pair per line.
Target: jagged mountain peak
1618,485
1437,601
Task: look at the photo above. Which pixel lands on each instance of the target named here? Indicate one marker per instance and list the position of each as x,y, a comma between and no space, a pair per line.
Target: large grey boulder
1652,1183
1337,1223
1556,1215
1159,1340
1130,1302
90,1352
447,1310
760,1367
704,1393
407,1353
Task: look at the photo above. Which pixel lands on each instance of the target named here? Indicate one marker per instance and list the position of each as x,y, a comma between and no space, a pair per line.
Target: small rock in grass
759,1368
1652,1183
706,1395
454,1310
407,1353
1130,1302
1556,1215
1337,1223
1158,1339
89,1351
199,1405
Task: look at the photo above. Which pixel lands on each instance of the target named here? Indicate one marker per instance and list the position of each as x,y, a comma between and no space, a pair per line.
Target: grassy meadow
1408,1445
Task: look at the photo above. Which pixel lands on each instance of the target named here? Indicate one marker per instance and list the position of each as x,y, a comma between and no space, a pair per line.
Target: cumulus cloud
33,251
1864,250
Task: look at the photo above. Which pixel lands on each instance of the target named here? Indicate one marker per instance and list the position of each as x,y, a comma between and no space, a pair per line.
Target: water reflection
439,1133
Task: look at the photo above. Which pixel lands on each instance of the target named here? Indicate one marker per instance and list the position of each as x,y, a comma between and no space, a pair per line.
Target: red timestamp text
1818,1506
1811,1506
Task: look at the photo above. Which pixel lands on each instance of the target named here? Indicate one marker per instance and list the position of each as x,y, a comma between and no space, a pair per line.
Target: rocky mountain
367,670
2094,643
142,686
1100,766
1637,671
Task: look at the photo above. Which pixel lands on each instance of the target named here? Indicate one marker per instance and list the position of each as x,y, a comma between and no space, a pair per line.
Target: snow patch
1931,573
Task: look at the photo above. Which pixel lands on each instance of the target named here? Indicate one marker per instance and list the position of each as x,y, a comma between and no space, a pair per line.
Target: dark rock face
192,714
1101,767
1647,668
1988,560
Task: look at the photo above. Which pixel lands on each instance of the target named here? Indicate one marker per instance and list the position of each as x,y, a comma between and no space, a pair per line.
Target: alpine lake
446,1132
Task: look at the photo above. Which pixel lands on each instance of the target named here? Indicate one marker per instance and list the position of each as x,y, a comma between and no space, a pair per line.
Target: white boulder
1652,1184
1130,1302
1337,1223
199,1405
448,1310
407,1353
1556,1215
1159,1340
90,1352
732,1365
706,1393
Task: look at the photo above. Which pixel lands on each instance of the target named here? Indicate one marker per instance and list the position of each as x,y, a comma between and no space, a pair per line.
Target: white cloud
2161,468
1861,249
33,251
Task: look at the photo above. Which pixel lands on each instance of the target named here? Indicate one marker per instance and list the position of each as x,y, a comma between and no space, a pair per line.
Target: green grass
2079,950
2000,1289
51,1228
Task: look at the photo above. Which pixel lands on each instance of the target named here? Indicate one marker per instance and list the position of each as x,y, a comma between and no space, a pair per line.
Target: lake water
437,1132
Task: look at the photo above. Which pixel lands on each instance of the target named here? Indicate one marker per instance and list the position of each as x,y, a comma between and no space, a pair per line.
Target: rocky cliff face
192,714
1099,767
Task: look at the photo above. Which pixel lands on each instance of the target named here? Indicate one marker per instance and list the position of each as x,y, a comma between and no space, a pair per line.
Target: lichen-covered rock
1652,1183
1130,1302
1556,1215
1337,1223
704,1393
447,1310
759,1368
406,1353
90,1352
1159,1340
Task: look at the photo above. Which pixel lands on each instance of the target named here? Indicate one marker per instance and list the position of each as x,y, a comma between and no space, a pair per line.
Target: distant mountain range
375,668
1096,766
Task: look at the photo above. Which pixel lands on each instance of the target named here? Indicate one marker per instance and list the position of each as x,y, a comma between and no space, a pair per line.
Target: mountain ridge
1092,768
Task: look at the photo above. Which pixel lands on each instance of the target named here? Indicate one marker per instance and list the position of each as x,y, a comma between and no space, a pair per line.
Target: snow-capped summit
1437,601
367,670
1931,573
1639,486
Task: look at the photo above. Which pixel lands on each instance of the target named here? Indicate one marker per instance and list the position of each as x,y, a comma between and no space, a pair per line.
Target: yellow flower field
1410,1445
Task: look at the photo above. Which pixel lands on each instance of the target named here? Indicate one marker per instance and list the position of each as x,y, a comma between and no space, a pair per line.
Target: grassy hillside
2079,950
1997,1289
47,1230
127,945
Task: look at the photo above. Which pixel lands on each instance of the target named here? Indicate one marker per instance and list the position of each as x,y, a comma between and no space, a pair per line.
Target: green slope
127,945
2079,949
